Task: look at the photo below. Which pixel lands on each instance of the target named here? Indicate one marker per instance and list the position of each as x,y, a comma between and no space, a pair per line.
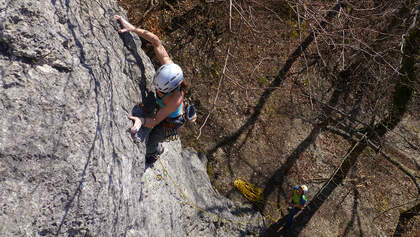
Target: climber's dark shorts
166,130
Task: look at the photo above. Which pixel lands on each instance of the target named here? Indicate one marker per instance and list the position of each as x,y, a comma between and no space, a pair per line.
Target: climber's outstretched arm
160,51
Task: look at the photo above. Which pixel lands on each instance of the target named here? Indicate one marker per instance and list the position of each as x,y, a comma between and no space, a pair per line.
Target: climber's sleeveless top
177,112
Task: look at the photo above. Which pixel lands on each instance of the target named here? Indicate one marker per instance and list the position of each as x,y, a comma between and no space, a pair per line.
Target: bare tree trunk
401,97
405,217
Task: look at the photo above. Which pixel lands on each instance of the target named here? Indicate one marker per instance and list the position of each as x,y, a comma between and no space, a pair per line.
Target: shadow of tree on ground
281,76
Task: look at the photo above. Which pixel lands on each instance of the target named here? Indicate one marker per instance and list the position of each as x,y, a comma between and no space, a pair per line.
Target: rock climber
297,203
170,91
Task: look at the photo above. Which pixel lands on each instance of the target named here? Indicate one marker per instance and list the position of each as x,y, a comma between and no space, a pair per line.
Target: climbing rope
254,195
213,216
250,192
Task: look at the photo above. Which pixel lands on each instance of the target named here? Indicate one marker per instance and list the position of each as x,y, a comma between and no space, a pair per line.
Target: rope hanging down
213,216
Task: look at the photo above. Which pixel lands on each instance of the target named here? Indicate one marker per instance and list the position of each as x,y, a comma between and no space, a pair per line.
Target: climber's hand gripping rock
138,122
125,24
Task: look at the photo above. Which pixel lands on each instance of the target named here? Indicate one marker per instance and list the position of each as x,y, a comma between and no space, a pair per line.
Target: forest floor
274,137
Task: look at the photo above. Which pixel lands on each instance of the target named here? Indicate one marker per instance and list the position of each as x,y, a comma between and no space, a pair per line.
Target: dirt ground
273,137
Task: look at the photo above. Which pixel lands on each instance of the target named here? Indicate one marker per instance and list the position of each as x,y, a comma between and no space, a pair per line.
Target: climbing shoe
151,158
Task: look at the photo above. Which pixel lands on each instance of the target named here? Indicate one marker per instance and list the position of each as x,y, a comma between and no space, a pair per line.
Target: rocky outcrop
68,165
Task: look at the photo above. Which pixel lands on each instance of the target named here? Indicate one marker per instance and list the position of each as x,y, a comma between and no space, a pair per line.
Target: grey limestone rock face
68,165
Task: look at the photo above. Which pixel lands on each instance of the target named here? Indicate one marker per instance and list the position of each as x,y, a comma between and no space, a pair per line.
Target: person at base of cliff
170,91
297,203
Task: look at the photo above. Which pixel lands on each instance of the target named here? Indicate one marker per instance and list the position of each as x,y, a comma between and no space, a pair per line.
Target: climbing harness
170,134
171,125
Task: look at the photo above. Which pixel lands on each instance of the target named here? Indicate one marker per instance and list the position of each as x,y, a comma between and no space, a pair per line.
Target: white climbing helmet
168,77
304,188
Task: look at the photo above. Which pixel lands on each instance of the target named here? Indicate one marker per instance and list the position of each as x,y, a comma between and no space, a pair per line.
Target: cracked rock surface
68,165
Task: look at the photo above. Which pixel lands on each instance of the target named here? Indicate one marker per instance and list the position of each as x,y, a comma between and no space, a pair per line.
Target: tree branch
217,94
